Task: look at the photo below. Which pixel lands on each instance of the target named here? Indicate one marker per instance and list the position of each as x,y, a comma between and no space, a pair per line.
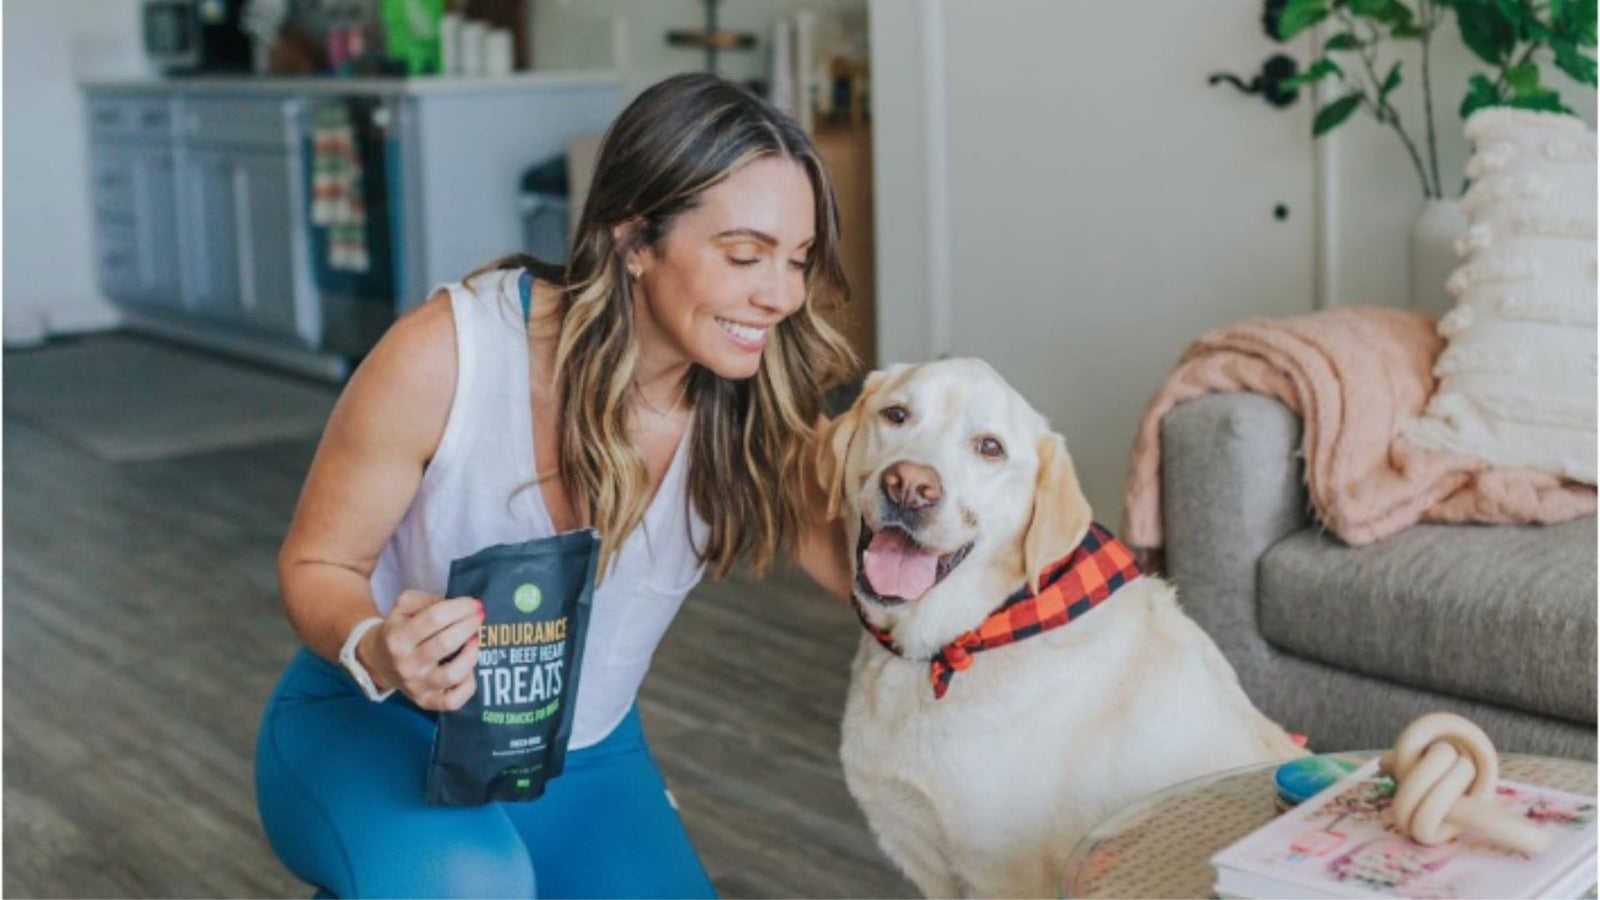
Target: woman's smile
746,337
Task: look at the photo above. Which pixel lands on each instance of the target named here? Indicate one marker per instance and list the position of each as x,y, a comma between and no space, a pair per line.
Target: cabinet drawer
120,117
118,252
109,117
111,181
239,122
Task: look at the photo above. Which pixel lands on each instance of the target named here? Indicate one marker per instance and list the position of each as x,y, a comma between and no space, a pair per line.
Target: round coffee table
1160,846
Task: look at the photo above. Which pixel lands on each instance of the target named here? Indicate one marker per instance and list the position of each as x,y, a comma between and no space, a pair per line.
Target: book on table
1342,843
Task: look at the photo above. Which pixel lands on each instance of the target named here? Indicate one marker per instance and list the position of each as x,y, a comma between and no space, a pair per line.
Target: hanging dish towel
337,202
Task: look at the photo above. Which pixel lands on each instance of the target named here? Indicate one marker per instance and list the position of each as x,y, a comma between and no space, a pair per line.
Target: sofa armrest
1231,487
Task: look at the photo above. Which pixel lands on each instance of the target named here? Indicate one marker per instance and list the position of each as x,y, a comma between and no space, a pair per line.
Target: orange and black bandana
1068,588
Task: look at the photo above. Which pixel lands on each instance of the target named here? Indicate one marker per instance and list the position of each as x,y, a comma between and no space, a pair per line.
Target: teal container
1301,779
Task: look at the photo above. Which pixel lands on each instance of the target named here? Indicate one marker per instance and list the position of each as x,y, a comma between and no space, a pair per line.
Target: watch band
358,672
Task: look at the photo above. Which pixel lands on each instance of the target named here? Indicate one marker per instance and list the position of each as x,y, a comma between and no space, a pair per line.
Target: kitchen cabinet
237,193
135,207
202,195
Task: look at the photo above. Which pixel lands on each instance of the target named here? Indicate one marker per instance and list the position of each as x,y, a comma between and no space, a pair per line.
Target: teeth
742,332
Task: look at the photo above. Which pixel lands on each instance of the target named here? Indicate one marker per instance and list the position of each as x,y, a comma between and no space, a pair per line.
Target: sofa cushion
1501,614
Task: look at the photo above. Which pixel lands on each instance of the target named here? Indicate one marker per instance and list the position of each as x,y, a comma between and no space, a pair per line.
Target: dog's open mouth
892,568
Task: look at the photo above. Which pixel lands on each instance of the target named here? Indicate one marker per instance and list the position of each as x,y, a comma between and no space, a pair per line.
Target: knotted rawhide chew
1445,771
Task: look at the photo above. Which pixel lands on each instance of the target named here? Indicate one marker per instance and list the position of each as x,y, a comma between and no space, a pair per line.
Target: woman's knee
339,785
356,845
486,859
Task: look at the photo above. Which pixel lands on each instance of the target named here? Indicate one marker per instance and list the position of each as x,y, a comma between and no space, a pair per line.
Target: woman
662,390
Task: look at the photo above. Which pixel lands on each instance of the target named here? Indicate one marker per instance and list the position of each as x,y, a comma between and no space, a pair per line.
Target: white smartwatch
347,658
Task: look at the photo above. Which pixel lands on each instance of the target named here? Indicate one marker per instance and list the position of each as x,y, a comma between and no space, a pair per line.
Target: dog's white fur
985,792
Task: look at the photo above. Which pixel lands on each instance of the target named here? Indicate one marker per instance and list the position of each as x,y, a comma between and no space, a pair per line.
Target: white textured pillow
1517,377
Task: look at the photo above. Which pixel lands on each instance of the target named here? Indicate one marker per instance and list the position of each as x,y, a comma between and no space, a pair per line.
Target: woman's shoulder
420,347
405,385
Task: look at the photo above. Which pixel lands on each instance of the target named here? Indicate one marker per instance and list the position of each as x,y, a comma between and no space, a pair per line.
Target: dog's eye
896,414
990,448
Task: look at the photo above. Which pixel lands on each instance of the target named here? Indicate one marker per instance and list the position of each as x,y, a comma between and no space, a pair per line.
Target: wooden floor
142,634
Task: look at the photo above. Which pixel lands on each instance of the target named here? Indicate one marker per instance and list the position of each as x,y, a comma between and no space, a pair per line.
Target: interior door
1093,204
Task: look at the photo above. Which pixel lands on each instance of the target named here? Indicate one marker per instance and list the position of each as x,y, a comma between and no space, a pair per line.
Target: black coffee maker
196,36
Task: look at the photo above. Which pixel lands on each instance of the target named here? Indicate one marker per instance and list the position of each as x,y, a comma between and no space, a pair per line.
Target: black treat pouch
511,737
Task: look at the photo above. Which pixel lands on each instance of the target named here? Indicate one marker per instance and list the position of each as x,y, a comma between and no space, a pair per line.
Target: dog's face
946,475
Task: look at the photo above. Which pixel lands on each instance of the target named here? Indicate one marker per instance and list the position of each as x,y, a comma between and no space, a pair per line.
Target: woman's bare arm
368,466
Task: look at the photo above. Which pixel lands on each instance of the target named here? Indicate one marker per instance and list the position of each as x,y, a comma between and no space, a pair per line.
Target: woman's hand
427,648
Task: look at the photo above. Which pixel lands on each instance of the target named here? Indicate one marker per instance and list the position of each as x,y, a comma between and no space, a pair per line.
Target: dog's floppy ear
1061,512
833,444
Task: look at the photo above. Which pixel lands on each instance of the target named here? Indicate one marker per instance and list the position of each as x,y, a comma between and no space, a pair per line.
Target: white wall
1376,194
577,34
50,255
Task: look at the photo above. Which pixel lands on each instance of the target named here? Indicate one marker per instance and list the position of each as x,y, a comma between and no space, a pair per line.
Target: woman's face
728,270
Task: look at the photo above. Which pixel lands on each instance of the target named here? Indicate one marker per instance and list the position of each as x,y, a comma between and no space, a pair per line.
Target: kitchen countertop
418,86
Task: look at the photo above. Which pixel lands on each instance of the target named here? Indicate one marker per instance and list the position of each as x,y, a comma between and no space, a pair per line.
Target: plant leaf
1298,15
1388,12
1343,41
1512,12
1571,60
1317,71
1535,30
1407,32
1485,31
1390,82
1574,20
1541,98
1524,77
1334,114
1480,93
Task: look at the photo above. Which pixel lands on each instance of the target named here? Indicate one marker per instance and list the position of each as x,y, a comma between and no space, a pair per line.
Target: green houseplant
1511,36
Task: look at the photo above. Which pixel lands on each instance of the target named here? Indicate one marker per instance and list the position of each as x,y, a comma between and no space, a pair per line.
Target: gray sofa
1348,644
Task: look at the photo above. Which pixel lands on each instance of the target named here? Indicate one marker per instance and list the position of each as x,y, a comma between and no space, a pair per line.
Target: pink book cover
1343,842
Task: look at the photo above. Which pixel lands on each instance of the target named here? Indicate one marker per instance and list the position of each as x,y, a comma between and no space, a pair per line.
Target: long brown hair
679,138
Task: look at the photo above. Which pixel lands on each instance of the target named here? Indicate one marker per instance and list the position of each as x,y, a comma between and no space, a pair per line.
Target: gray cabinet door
210,261
156,219
262,232
117,238
117,259
237,264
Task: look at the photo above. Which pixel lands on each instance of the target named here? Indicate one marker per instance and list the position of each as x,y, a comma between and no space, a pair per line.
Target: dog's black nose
911,486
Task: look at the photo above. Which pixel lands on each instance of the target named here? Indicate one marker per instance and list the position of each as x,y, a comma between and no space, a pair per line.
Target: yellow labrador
957,495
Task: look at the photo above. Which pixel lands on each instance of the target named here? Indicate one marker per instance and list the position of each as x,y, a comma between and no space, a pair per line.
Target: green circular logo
527,598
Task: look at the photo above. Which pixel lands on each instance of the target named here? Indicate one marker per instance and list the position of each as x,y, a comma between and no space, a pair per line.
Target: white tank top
469,499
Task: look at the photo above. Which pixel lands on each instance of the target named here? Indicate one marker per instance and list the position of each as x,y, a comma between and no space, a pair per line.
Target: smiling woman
662,389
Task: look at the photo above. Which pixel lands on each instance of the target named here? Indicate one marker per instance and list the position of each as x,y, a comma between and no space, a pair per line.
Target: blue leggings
339,784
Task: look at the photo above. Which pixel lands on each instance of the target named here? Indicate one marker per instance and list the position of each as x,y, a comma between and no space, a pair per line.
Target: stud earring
633,271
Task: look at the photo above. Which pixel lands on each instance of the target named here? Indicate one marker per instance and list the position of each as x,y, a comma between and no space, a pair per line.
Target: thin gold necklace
662,416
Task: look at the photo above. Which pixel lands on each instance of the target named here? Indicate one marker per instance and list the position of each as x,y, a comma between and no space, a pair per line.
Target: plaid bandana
1068,588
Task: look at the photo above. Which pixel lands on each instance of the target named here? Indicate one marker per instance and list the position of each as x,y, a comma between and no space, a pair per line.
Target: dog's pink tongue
896,568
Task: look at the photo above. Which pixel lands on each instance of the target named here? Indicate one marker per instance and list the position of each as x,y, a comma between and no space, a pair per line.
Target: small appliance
196,36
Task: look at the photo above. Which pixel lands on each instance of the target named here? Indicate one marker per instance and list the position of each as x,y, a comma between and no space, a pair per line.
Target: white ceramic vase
1433,255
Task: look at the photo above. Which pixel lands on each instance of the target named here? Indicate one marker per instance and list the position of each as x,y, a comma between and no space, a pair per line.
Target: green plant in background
1507,34
1362,27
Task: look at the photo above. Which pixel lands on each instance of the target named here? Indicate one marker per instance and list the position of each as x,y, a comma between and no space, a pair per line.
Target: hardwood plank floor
142,635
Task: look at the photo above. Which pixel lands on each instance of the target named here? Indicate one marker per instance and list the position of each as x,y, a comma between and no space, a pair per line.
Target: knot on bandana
1068,588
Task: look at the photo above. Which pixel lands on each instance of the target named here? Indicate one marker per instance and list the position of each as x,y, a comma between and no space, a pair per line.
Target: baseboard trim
321,366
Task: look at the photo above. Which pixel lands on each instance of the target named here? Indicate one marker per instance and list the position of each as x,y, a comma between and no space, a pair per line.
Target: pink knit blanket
1353,375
